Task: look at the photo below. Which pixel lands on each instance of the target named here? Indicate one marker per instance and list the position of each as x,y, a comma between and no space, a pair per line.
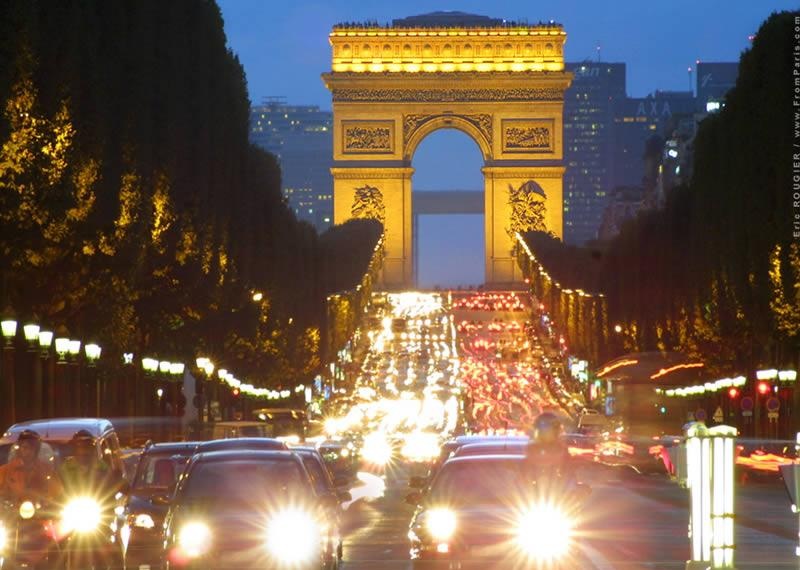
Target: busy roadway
454,441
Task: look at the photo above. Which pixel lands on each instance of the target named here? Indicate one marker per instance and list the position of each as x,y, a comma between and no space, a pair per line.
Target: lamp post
8,327
74,352
62,395
92,352
31,332
48,386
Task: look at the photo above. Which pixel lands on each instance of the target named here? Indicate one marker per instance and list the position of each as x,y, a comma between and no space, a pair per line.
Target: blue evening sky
283,46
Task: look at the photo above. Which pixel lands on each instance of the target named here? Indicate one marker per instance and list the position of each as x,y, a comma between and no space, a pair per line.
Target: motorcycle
27,535
88,530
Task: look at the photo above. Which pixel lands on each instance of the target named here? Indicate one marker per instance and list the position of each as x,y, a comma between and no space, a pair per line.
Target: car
255,443
246,509
492,448
326,488
482,509
155,478
236,429
449,448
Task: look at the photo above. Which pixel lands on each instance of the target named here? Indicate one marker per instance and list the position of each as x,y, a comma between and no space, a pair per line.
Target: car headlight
81,515
194,539
144,521
377,449
441,523
544,532
293,536
27,510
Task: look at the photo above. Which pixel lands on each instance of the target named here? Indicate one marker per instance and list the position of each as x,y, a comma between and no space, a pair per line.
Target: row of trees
132,206
716,272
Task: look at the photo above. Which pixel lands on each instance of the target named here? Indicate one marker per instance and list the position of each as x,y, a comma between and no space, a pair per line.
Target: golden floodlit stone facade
501,85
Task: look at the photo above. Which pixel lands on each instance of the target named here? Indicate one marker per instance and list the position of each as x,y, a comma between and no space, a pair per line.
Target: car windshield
159,471
242,481
317,472
478,482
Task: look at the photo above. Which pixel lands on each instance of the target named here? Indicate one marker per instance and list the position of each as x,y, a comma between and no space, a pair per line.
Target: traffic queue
250,502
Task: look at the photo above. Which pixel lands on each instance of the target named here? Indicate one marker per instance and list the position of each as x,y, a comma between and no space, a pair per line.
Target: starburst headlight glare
376,449
293,536
544,532
81,515
441,523
144,521
194,539
27,510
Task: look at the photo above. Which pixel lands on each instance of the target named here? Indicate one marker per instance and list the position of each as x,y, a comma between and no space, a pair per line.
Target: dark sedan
247,509
158,470
482,509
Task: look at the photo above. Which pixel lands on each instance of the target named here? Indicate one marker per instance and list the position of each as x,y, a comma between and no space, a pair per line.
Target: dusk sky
284,49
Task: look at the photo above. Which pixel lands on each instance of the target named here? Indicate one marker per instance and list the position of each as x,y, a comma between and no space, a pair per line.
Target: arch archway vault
392,86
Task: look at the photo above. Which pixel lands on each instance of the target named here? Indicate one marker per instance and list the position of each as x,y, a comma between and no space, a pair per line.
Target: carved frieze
367,137
481,121
528,135
448,95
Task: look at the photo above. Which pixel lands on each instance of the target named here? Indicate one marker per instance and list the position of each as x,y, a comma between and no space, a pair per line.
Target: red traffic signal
763,388
236,392
733,393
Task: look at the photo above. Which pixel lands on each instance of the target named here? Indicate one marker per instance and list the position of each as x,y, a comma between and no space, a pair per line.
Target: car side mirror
160,500
414,498
417,482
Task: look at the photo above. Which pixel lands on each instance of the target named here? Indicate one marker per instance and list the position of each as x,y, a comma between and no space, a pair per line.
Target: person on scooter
547,455
84,471
27,476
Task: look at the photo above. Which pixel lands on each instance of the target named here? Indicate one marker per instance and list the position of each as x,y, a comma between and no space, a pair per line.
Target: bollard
791,479
710,479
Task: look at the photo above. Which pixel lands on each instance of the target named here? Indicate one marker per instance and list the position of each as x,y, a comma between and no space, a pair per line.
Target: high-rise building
301,137
636,120
714,80
588,145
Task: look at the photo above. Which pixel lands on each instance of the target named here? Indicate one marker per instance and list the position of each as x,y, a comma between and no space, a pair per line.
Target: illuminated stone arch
502,85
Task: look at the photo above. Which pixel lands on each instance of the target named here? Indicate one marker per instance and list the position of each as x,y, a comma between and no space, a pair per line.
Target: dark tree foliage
346,252
133,207
716,272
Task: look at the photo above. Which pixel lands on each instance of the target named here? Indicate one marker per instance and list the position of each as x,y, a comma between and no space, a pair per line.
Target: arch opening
448,210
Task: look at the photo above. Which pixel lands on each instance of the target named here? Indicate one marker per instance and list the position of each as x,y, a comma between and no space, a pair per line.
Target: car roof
469,459
242,443
175,447
61,429
240,454
492,445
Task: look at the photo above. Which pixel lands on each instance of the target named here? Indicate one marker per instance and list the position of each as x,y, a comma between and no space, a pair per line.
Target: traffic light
236,392
763,388
733,393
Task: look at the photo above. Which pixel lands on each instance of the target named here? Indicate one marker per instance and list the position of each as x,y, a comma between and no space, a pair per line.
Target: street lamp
150,365
62,348
92,351
45,342
176,368
31,332
8,326
74,348
164,366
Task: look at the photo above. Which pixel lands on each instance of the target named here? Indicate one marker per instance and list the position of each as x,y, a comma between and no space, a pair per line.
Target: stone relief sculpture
528,209
368,204
369,138
527,138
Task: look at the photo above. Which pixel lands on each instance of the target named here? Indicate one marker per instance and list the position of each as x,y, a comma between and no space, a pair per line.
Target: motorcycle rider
84,470
26,476
547,456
